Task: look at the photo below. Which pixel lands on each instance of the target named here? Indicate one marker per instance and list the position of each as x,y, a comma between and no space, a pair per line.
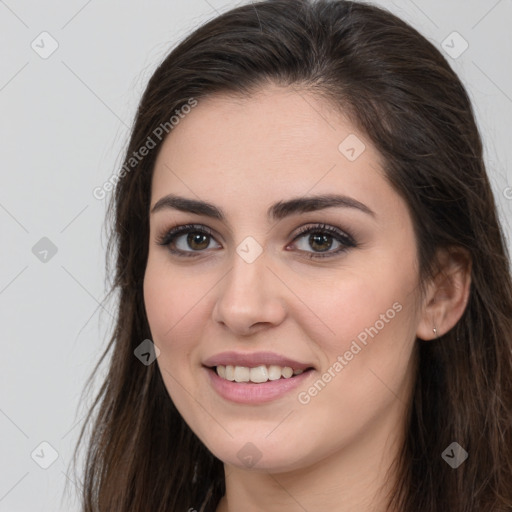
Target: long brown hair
402,93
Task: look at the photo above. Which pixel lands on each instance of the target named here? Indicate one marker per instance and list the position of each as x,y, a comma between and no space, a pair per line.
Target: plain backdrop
64,121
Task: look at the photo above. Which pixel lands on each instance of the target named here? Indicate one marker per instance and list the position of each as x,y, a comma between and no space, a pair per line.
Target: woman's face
328,286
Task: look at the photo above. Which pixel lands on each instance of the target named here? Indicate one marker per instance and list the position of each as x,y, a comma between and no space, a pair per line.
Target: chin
260,457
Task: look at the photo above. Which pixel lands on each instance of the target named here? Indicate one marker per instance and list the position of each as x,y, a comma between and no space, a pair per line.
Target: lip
254,359
252,393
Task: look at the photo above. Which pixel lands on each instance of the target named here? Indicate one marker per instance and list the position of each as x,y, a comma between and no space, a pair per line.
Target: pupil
193,237
325,238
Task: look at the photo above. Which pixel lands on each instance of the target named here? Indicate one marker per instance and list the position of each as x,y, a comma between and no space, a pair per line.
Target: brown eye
198,238
198,241
321,239
320,242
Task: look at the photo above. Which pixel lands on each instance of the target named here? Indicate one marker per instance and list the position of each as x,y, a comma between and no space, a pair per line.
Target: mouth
256,377
256,385
257,374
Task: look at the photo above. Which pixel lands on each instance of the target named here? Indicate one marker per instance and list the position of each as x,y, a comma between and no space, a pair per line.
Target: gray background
64,123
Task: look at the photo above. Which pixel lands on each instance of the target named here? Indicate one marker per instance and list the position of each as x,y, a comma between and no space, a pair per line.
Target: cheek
368,319
170,298
368,359
160,302
173,310
177,306
354,304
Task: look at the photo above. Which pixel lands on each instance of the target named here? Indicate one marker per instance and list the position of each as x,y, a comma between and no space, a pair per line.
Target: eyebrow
277,211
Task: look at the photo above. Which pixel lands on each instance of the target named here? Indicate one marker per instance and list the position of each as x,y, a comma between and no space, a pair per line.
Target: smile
258,374
272,383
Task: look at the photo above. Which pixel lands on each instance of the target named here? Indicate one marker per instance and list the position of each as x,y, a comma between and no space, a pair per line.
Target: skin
242,155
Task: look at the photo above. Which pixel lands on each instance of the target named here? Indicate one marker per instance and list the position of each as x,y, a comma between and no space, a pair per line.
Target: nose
250,297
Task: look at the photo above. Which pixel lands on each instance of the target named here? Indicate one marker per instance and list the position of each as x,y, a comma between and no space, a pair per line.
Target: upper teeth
258,374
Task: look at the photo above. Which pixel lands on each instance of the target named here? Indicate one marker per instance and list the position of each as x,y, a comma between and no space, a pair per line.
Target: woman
315,301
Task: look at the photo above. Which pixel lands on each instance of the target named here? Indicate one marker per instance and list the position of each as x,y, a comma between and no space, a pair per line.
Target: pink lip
254,359
252,393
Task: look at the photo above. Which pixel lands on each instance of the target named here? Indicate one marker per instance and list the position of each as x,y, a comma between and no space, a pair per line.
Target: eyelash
344,238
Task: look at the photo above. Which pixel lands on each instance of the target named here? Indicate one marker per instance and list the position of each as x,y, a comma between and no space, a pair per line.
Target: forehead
278,141
275,119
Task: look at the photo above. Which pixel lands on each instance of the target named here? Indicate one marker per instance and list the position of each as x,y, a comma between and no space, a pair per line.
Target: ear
447,294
